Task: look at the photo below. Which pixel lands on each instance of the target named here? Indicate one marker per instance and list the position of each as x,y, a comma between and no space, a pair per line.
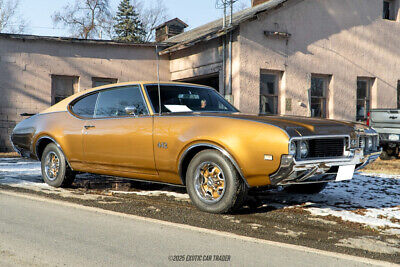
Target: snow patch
369,244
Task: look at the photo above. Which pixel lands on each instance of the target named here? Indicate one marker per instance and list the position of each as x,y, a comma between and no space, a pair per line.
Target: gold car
196,139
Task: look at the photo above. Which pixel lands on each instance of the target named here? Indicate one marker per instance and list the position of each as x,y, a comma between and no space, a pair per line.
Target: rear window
85,106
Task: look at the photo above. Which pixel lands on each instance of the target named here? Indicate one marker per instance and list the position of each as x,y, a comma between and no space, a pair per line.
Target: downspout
224,53
229,91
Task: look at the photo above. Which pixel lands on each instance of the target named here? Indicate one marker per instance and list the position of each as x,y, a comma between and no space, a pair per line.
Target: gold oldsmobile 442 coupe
196,139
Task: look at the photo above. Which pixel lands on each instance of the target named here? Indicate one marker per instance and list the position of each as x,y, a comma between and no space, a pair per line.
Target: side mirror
131,110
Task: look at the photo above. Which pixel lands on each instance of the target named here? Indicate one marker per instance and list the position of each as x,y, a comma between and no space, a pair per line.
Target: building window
318,93
269,93
96,81
389,10
363,97
62,87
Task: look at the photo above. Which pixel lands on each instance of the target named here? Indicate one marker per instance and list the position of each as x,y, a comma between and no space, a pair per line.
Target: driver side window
120,102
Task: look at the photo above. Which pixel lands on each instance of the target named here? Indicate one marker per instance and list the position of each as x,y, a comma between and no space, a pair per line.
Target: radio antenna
158,81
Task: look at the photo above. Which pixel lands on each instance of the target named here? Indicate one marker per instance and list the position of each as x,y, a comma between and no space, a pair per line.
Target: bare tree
10,20
240,5
85,18
151,16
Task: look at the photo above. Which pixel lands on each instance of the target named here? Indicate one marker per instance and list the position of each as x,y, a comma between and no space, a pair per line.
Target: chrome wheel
52,166
209,182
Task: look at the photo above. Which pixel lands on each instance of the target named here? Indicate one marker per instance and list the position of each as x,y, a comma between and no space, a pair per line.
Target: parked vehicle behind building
387,123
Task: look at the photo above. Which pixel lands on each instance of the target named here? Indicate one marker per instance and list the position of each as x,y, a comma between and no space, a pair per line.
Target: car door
119,137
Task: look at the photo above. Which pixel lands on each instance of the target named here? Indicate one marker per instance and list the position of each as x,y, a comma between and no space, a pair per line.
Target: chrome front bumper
318,170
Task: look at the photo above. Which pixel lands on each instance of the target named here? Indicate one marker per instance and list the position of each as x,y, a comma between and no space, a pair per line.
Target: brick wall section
26,67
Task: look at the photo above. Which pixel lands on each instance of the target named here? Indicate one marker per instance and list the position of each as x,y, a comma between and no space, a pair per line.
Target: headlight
292,149
303,149
369,143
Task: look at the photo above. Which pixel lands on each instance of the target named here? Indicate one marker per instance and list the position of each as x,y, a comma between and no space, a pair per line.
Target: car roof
63,105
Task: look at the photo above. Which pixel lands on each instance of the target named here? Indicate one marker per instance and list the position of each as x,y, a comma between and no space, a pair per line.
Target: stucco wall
26,67
207,58
343,38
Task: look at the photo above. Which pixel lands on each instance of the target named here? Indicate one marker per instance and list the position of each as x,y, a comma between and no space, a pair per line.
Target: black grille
326,148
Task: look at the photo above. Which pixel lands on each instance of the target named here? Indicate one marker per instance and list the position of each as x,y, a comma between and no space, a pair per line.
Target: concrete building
333,59
36,72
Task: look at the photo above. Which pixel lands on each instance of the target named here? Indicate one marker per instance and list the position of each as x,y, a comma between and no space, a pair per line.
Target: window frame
277,90
97,100
75,86
366,99
156,112
104,79
325,98
392,10
73,102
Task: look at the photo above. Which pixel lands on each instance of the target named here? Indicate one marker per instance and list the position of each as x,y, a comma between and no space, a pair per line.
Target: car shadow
362,192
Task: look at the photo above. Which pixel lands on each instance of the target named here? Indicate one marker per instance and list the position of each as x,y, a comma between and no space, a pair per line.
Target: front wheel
306,188
55,170
213,183
389,153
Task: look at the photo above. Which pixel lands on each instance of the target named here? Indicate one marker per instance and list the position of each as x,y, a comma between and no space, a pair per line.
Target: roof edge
74,40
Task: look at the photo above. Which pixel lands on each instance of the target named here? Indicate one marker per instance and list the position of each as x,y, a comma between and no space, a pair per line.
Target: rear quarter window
85,106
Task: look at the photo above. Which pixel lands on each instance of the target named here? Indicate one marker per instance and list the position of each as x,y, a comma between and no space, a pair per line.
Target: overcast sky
194,12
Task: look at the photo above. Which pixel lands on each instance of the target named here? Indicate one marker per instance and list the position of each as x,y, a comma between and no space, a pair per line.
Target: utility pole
227,26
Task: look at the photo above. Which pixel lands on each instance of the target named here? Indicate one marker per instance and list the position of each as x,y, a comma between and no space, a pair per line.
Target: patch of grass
384,167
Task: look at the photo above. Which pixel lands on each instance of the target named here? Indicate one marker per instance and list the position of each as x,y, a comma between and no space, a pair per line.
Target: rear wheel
306,188
213,183
55,170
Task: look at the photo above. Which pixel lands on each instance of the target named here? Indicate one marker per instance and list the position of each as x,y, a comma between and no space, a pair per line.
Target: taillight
368,114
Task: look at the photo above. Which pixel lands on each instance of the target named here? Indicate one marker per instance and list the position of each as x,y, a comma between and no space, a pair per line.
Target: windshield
181,98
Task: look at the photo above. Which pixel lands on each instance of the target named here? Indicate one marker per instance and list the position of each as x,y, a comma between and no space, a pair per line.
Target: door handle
89,126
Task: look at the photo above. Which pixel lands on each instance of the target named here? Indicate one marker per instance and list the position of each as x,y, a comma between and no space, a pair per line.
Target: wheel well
41,146
189,156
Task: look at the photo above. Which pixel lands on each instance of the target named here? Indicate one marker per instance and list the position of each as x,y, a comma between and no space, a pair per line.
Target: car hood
296,125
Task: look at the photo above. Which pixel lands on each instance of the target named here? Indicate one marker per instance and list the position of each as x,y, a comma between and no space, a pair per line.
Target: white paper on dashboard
345,172
178,108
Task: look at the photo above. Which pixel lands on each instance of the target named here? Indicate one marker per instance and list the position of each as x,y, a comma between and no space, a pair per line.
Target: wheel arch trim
53,141
212,146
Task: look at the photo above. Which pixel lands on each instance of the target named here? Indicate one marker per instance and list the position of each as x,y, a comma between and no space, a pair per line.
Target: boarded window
318,95
363,97
269,93
97,81
62,87
389,10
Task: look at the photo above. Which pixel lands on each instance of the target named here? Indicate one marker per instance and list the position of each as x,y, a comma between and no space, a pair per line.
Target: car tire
55,169
308,189
213,183
384,155
388,153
